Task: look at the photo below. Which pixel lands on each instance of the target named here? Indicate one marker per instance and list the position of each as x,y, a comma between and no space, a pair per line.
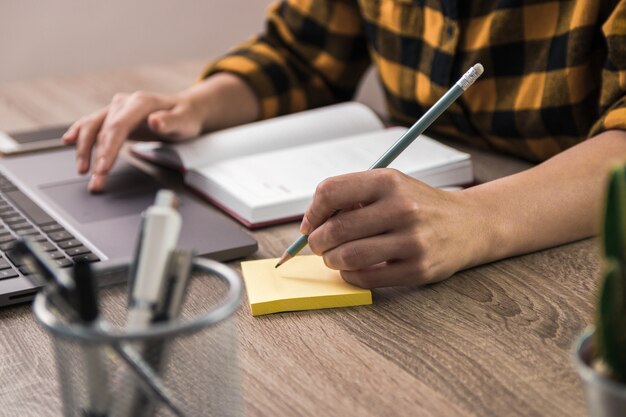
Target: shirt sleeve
312,53
613,91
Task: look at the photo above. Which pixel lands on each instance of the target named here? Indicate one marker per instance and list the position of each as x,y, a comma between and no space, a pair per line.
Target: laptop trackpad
128,192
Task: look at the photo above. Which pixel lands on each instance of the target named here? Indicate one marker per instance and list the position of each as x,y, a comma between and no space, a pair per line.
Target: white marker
161,228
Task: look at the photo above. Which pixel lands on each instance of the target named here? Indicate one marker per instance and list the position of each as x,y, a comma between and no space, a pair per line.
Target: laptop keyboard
20,216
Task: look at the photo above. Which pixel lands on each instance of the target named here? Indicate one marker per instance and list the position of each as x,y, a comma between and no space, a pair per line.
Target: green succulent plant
610,335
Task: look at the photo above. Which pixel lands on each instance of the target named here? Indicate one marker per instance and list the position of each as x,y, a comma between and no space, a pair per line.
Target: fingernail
95,183
101,165
81,163
305,227
68,137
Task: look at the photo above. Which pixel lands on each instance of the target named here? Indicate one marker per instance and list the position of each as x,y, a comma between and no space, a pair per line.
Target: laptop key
17,218
56,254
39,238
27,232
60,235
4,231
63,263
6,239
47,246
8,213
51,227
7,245
8,273
23,225
30,209
78,250
15,258
87,257
66,244
25,270
4,264
7,186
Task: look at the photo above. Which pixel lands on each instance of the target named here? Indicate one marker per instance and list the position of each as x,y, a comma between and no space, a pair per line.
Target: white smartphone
32,140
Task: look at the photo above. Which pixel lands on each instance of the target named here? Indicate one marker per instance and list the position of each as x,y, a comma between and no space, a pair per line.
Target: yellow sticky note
302,283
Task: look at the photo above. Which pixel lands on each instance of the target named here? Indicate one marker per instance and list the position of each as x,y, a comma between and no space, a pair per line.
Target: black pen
75,297
57,283
86,293
86,303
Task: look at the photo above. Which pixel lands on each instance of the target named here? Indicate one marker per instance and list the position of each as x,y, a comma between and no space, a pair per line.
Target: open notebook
266,172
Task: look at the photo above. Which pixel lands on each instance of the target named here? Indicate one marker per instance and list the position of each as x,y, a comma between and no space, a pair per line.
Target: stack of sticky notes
302,283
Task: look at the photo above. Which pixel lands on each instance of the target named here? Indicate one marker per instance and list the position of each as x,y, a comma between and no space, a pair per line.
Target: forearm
311,54
556,202
223,100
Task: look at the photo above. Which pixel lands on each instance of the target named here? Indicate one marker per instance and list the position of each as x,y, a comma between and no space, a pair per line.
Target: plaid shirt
555,71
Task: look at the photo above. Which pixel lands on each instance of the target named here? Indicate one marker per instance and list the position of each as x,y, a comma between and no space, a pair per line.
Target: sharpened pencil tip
286,256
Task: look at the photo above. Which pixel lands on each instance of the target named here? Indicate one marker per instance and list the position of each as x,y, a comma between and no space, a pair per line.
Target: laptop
41,196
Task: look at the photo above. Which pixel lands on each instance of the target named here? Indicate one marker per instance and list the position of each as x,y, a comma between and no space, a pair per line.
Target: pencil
405,140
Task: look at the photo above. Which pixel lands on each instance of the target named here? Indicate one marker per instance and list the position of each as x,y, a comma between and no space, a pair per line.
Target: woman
552,92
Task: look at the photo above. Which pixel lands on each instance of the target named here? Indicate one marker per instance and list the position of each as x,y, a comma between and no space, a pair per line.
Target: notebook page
287,131
293,174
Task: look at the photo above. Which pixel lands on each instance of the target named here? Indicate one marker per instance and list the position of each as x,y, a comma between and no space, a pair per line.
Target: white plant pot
605,397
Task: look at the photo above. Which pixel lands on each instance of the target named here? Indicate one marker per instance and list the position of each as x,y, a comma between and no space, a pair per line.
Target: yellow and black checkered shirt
555,71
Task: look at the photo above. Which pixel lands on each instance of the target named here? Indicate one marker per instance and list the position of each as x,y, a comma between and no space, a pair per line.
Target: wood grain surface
495,340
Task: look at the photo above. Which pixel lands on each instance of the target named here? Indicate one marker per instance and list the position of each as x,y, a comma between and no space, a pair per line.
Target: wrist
483,226
198,102
222,100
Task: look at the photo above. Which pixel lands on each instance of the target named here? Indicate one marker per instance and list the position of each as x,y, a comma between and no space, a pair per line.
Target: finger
350,225
71,135
139,105
388,274
156,122
344,191
119,122
364,253
126,115
87,134
175,123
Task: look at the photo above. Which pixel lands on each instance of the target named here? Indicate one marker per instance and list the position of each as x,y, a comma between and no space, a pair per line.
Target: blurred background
70,37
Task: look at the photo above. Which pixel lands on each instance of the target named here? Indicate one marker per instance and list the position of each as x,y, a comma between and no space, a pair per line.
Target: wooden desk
492,341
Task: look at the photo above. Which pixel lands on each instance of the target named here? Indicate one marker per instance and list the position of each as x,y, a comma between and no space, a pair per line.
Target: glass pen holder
183,367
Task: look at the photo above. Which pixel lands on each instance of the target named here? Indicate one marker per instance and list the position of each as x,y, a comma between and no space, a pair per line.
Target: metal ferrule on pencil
470,76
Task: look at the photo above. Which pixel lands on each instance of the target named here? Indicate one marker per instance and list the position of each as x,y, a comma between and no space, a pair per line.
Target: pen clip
174,285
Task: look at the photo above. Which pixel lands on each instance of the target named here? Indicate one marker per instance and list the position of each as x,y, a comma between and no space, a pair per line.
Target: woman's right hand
175,117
